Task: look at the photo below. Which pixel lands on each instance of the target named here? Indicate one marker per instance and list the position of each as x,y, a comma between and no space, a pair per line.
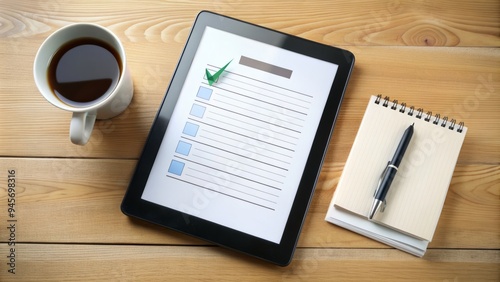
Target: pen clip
382,208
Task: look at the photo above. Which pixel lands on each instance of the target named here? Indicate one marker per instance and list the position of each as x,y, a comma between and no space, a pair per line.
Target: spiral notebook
417,194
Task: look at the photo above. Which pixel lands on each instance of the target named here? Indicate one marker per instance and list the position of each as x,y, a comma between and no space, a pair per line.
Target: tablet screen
237,142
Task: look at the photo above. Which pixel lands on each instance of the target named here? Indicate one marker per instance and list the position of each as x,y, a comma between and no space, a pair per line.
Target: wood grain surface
443,56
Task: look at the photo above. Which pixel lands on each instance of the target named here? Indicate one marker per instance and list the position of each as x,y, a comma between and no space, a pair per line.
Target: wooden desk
440,55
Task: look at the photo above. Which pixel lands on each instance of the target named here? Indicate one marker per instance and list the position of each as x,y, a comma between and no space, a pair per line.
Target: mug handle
81,127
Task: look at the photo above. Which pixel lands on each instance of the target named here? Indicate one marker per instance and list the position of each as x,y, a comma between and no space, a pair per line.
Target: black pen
389,173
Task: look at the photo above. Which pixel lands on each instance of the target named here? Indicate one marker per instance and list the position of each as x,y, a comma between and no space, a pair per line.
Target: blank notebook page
417,194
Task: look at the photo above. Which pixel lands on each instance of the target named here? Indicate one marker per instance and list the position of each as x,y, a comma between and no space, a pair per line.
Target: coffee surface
83,71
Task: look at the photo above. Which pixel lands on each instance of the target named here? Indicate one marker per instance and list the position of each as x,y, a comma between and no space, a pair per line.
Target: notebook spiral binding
419,113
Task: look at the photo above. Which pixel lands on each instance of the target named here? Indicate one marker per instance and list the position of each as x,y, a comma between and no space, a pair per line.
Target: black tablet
236,148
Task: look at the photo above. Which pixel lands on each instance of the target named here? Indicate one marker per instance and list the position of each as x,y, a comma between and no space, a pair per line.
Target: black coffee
84,70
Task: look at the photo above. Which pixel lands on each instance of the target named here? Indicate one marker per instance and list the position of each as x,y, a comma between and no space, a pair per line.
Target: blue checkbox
204,93
197,110
190,129
176,167
183,148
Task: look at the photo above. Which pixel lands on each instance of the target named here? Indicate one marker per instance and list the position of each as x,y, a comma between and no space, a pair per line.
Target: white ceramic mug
111,104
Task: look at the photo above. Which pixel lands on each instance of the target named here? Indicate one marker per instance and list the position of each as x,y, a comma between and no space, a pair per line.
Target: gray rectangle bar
249,62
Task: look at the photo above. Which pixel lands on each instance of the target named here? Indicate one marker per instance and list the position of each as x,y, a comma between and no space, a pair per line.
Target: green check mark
213,77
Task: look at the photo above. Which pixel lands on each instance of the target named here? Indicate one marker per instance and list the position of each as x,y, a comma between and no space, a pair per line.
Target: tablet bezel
281,253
